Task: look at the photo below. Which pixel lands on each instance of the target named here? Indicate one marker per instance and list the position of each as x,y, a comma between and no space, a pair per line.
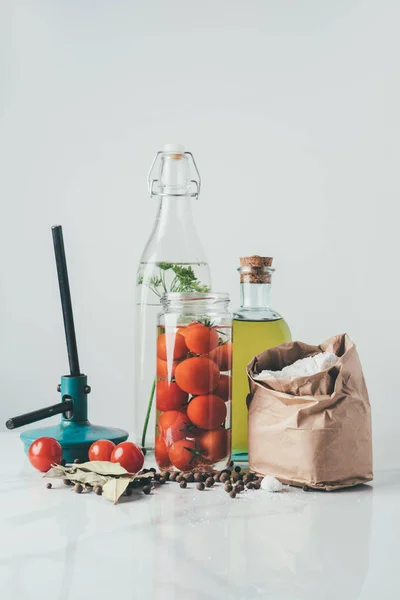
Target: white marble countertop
186,544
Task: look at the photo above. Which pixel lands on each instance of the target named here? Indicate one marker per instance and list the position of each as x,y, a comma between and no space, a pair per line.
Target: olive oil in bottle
256,327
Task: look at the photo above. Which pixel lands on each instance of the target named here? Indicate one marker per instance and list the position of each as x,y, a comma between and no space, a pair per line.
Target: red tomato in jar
44,452
198,375
173,425
169,396
224,388
165,370
201,339
101,450
171,346
214,444
129,456
183,455
208,411
182,330
222,355
161,453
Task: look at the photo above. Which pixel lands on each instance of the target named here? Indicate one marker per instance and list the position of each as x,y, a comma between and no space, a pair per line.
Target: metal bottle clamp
151,182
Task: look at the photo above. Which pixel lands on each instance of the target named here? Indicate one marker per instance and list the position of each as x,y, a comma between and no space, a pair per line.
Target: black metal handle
38,415
66,303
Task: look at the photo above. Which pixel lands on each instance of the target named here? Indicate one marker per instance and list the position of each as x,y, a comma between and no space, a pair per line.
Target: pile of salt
302,367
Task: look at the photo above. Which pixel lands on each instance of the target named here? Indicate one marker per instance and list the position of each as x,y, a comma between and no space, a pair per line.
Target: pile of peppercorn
235,480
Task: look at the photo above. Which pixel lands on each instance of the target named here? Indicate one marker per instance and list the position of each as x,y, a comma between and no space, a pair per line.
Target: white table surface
185,544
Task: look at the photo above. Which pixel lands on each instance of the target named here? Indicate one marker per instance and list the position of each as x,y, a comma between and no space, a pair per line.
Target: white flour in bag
302,367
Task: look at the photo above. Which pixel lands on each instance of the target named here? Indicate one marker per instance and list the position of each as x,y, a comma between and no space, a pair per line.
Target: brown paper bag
313,430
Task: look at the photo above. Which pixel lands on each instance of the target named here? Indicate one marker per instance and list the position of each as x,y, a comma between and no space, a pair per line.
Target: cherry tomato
166,370
101,450
171,346
44,452
173,425
198,375
201,339
224,388
214,444
207,412
129,456
161,453
222,355
169,396
182,330
183,455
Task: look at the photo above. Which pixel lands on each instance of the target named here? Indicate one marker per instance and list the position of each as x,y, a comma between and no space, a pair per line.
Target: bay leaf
55,473
103,467
114,488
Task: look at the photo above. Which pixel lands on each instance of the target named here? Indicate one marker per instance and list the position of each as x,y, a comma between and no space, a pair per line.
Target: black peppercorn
49,486
144,471
238,469
198,477
224,477
210,482
128,491
228,487
179,478
147,489
257,485
166,475
174,475
157,476
236,478
200,486
63,462
189,477
98,490
77,461
233,494
250,485
67,482
183,484
78,488
306,488
153,470
162,480
231,464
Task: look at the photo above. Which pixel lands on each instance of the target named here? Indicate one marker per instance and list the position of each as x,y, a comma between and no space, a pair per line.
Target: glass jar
256,327
193,389
172,261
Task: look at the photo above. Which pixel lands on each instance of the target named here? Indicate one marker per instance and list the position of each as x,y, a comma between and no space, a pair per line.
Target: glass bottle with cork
256,327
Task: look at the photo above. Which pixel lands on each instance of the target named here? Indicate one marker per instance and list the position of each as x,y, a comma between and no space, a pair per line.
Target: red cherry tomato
214,444
170,345
173,425
129,456
207,412
201,339
161,453
183,455
44,452
101,450
170,397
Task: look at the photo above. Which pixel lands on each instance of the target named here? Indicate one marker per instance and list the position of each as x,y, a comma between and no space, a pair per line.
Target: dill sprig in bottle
173,261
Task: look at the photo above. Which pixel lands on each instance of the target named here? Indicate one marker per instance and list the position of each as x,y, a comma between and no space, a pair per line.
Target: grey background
292,112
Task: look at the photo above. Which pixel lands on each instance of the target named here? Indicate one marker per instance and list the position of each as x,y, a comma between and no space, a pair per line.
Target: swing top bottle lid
174,173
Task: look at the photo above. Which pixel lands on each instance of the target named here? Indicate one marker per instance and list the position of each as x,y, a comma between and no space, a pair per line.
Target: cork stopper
255,269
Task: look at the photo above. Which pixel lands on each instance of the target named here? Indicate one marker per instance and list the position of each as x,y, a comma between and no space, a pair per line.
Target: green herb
184,280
